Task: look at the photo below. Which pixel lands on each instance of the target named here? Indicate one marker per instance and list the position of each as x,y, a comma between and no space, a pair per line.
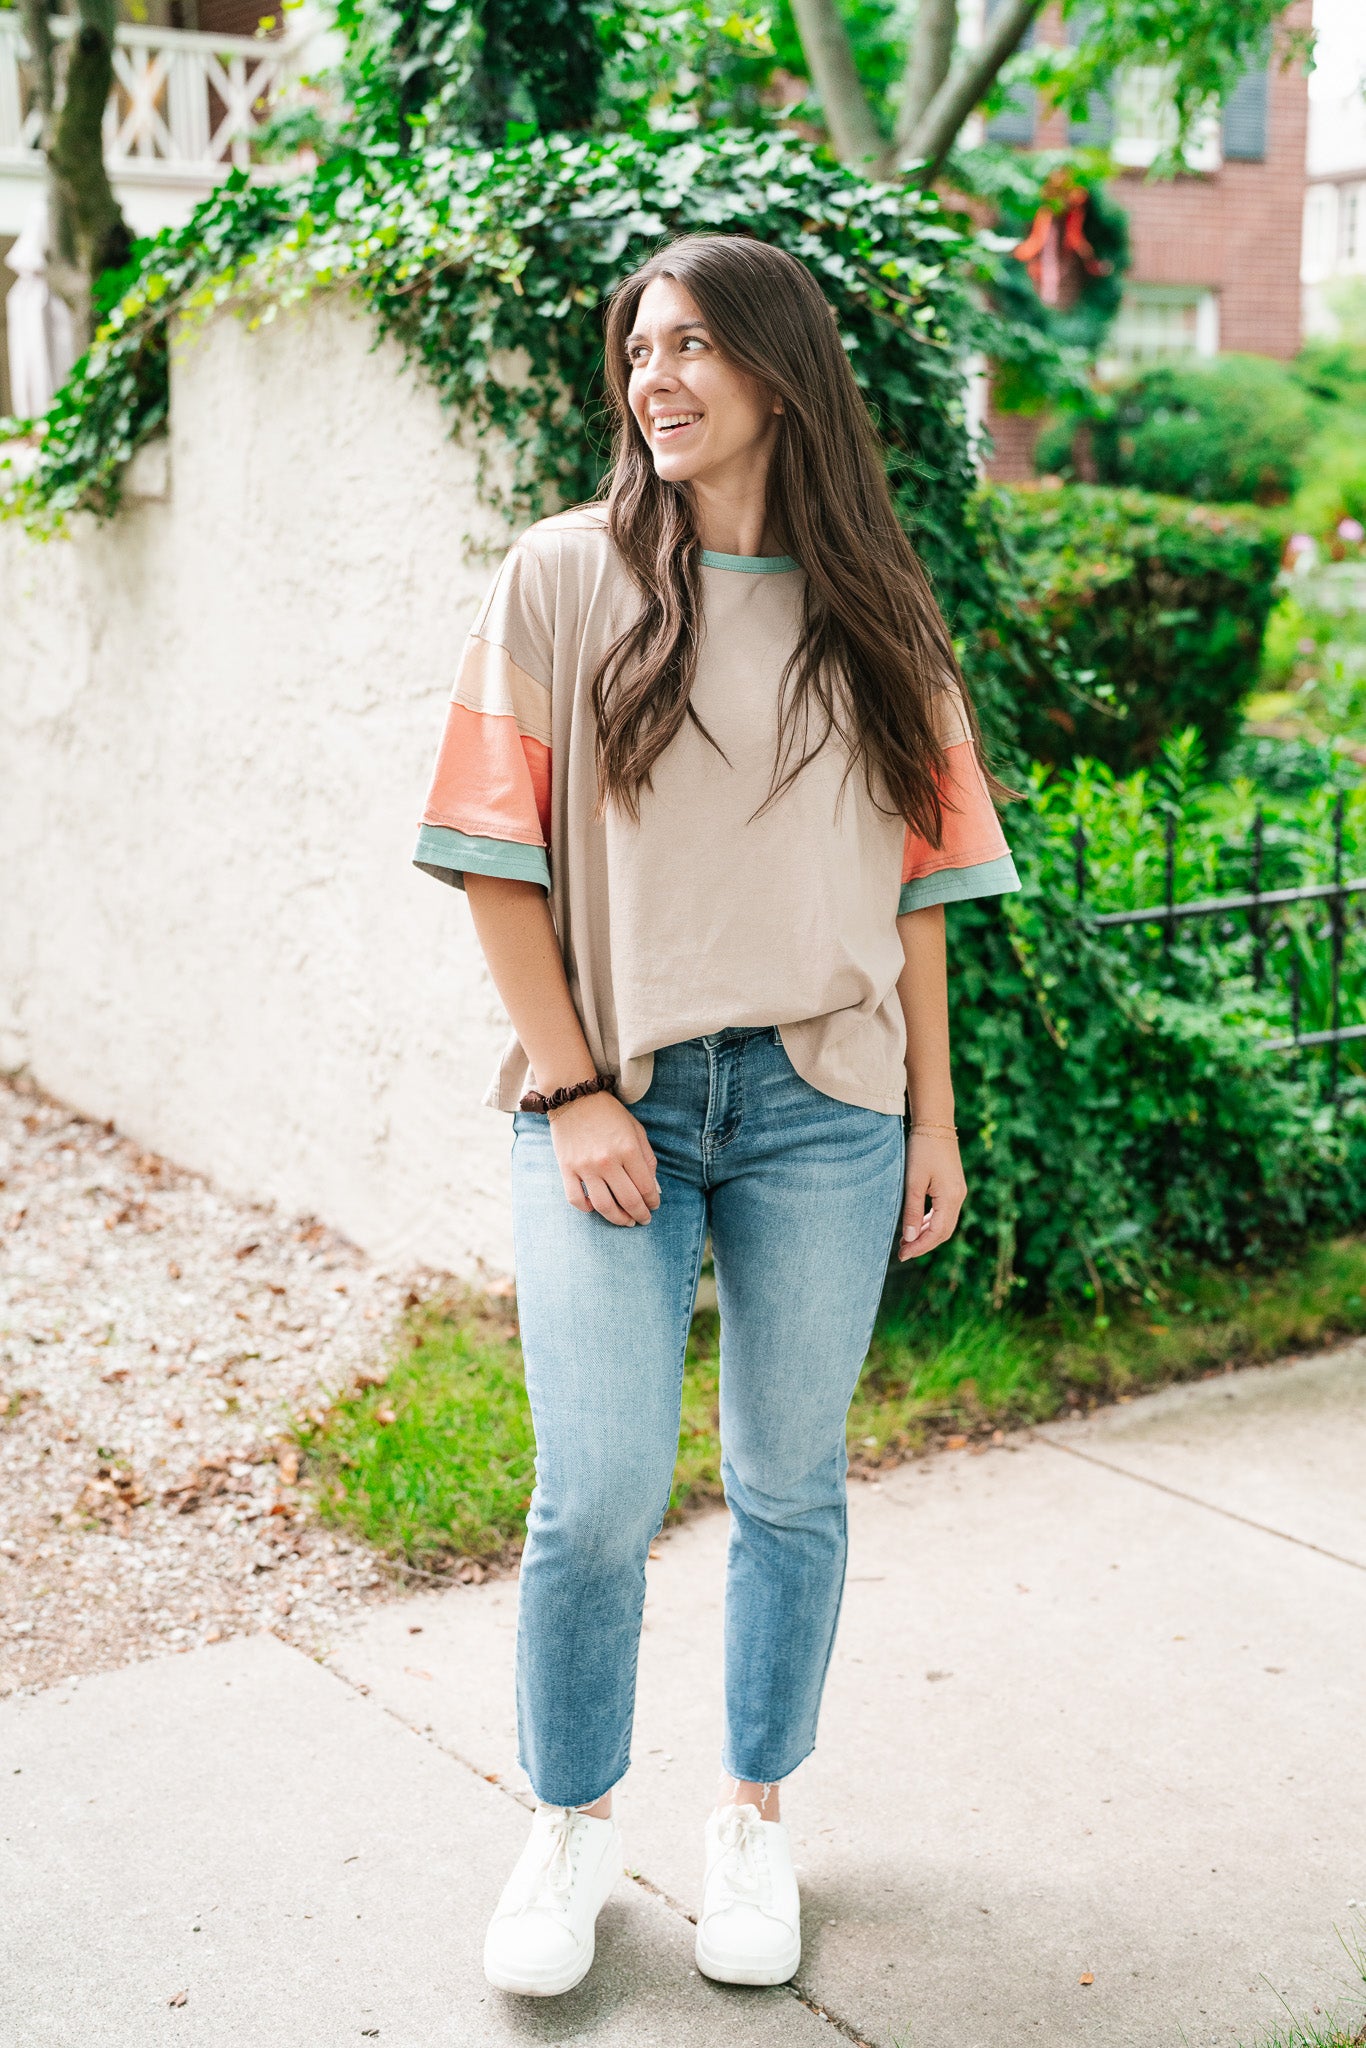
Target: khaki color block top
703,914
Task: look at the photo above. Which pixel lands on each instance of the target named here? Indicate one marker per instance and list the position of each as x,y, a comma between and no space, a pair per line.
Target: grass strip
430,1457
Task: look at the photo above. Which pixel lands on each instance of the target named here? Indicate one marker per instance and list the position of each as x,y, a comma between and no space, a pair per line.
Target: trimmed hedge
1229,430
1150,614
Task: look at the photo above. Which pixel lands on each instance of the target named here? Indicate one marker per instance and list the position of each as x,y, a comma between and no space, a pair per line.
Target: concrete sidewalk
1098,1709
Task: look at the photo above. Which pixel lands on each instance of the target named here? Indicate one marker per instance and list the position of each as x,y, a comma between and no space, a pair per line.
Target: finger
604,1201
575,1196
645,1170
913,1209
937,1227
646,1147
645,1176
629,1197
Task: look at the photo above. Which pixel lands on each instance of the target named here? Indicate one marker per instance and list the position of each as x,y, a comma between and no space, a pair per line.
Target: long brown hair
874,651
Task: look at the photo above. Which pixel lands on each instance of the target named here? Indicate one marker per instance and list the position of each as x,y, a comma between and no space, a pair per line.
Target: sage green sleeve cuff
960,885
450,856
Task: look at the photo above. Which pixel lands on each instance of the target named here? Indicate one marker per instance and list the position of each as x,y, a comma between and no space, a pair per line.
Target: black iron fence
1265,925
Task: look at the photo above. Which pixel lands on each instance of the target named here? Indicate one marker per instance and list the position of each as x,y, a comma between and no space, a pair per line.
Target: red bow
1042,250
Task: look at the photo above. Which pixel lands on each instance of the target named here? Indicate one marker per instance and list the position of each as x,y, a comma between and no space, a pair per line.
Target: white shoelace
740,1836
551,1883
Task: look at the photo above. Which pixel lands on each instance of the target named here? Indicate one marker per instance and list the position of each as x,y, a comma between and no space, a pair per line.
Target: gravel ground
156,1338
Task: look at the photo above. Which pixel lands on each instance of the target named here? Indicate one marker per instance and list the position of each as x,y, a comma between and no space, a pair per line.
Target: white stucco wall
217,717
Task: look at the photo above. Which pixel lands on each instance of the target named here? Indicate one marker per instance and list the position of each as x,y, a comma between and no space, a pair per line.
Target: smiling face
705,421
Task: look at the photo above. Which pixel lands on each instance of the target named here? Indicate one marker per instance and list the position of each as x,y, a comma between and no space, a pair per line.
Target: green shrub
1229,430
1334,486
1150,615
1120,1104
1333,372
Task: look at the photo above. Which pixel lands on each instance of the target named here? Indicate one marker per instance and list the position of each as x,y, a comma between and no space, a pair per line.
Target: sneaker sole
529,1986
747,1973
526,1987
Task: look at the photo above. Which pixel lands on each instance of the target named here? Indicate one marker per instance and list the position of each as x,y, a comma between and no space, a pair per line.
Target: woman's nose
655,375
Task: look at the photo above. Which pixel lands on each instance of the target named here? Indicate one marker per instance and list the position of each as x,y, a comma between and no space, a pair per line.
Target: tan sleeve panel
951,715
489,680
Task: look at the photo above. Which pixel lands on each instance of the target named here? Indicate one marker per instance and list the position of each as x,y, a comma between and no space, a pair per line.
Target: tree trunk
86,229
934,134
848,116
936,30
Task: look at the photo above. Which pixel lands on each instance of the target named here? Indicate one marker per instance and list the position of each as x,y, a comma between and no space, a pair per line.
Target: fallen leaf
179,1998
114,1375
955,1443
111,1495
414,1628
1086,1977
172,1270
244,1251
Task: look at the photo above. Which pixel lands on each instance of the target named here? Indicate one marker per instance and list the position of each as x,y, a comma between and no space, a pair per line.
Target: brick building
1215,259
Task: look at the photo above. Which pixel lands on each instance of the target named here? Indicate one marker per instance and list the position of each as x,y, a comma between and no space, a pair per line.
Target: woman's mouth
666,426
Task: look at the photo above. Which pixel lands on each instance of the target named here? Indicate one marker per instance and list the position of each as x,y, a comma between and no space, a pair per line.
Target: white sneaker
749,1930
540,1939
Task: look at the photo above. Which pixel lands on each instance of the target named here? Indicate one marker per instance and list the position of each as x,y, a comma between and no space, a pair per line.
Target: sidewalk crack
1355,1564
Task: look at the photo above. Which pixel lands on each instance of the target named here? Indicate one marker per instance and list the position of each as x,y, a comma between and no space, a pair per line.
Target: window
1160,323
1145,122
1352,227
1320,245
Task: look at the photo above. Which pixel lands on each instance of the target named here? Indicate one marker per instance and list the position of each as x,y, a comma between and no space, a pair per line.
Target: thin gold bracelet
938,1130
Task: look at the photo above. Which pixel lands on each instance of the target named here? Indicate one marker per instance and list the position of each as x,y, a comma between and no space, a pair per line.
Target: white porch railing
181,101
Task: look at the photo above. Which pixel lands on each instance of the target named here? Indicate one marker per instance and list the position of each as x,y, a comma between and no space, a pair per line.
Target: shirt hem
959,885
448,856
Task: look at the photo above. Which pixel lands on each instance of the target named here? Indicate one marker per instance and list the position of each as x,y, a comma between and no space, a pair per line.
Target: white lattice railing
180,100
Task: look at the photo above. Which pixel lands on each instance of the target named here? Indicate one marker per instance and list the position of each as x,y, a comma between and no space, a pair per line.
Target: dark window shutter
1015,123
1245,118
1099,126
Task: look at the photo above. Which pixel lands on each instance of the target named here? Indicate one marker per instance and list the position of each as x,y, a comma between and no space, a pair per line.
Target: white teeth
679,419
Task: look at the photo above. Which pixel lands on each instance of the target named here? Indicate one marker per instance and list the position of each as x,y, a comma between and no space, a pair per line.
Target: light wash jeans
803,1198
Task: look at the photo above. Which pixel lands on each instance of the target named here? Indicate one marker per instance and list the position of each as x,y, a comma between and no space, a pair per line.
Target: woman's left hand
935,1189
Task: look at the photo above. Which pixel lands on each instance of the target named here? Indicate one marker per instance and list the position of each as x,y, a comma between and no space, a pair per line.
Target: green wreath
1094,231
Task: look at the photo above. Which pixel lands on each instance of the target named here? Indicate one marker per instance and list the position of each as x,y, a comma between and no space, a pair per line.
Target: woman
709,776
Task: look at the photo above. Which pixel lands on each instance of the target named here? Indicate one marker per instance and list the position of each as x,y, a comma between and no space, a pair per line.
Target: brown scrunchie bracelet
541,1105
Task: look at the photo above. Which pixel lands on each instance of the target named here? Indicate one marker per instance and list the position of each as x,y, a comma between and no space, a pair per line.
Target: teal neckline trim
750,565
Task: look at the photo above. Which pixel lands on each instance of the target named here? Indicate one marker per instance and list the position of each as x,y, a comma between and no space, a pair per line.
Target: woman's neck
733,521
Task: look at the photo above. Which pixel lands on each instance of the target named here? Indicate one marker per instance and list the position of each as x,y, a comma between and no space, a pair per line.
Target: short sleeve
488,807
972,858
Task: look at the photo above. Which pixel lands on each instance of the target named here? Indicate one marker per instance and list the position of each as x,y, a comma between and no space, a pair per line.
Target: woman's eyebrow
681,328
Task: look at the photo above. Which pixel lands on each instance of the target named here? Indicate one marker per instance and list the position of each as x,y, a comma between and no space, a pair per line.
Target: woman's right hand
606,1159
